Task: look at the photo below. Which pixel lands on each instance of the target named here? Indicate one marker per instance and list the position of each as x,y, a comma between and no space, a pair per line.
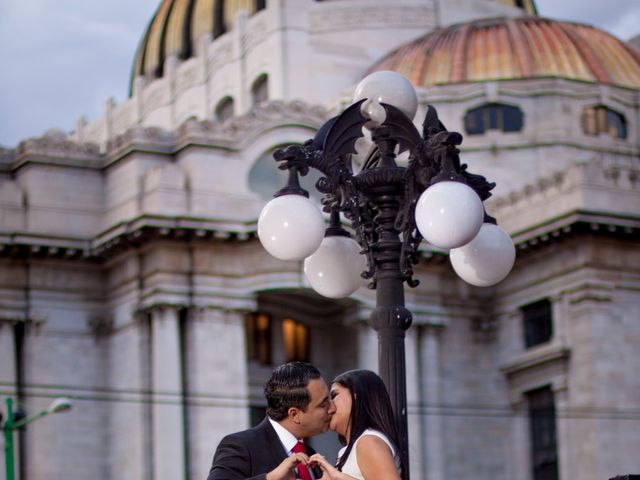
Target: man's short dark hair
287,388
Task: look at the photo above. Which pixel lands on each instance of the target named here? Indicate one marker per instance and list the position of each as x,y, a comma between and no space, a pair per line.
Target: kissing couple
300,405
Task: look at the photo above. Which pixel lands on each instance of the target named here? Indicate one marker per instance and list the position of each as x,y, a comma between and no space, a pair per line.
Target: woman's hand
286,470
329,472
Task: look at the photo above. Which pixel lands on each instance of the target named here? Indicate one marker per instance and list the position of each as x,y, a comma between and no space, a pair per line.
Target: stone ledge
536,357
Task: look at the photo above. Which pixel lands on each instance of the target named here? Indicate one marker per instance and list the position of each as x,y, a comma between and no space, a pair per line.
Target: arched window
260,89
224,109
493,116
599,119
265,178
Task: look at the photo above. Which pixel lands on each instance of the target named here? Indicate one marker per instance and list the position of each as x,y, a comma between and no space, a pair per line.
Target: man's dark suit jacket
249,454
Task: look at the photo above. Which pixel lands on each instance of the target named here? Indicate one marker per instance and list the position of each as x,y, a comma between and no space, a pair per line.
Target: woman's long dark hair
370,408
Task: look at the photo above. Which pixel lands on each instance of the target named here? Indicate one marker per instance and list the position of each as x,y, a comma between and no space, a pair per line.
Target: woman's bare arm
375,459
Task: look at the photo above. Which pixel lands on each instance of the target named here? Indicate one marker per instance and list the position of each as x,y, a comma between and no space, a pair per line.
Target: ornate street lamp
391,209
10,425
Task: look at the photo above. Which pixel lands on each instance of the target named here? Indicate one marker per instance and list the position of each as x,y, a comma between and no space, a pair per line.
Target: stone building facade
132,281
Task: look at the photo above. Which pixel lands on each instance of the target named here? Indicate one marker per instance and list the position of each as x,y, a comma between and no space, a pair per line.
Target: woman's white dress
351,466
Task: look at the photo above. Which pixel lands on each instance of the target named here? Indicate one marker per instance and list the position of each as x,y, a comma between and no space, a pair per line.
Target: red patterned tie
303,472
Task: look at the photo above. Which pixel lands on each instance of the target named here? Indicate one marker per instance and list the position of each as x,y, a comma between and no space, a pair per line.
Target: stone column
367,347
429,351
415,410
563,431
166,380
520,465
8,382
218,382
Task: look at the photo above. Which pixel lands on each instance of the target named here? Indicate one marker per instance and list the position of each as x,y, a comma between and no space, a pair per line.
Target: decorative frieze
56,144
187,76
572,201
154,137
235,131
253,36
357,18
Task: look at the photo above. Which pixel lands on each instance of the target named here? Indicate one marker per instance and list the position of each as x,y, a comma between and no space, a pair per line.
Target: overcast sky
62,59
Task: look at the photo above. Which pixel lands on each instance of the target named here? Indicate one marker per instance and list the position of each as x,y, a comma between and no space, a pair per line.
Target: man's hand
285,471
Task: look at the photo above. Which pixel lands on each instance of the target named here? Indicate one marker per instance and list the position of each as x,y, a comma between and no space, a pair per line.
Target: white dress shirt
287,439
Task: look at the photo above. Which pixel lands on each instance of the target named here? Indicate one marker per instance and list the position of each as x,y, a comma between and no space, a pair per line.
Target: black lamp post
391,208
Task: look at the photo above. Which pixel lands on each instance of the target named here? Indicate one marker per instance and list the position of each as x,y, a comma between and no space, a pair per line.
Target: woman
363,419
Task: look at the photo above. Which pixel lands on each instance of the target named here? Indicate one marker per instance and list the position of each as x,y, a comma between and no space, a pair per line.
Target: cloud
619,17
63,59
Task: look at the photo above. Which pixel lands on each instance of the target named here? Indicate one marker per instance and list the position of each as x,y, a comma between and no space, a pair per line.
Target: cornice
595,198
237,131
123,236
231,134
55,148
525,88
148,229
576,224
151,139
535,358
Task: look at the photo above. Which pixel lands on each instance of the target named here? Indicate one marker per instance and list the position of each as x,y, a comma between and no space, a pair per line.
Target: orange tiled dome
527,47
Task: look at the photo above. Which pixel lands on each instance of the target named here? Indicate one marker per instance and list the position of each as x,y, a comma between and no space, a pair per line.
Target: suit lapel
273,443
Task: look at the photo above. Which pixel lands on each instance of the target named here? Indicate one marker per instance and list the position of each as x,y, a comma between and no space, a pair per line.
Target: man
298,406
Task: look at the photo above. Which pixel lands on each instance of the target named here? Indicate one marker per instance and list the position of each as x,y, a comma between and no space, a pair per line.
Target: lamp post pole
390,318
391,208
57,406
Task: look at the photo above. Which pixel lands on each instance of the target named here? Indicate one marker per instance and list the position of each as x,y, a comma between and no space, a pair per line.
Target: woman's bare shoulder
375,458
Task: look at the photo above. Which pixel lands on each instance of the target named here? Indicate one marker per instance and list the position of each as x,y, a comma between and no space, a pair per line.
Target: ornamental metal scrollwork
380,200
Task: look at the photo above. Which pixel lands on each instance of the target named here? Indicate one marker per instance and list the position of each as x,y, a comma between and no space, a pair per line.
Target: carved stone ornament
57,144
261,117
141,135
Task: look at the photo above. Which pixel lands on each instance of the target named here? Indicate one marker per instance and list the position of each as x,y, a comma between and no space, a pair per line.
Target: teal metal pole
8,440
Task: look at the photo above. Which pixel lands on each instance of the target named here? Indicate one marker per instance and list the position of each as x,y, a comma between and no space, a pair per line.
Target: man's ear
294,415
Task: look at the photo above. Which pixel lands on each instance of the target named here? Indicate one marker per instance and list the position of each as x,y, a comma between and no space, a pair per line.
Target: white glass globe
334,270
449,214
487,259
291,227
386,87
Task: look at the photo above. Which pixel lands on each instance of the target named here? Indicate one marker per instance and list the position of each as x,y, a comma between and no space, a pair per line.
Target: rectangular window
296,340
512,119
542,429
589,124
538,324
616,125
473,122
258,328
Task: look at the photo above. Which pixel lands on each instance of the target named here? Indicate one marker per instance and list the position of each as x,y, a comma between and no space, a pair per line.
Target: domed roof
177,26
526,47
